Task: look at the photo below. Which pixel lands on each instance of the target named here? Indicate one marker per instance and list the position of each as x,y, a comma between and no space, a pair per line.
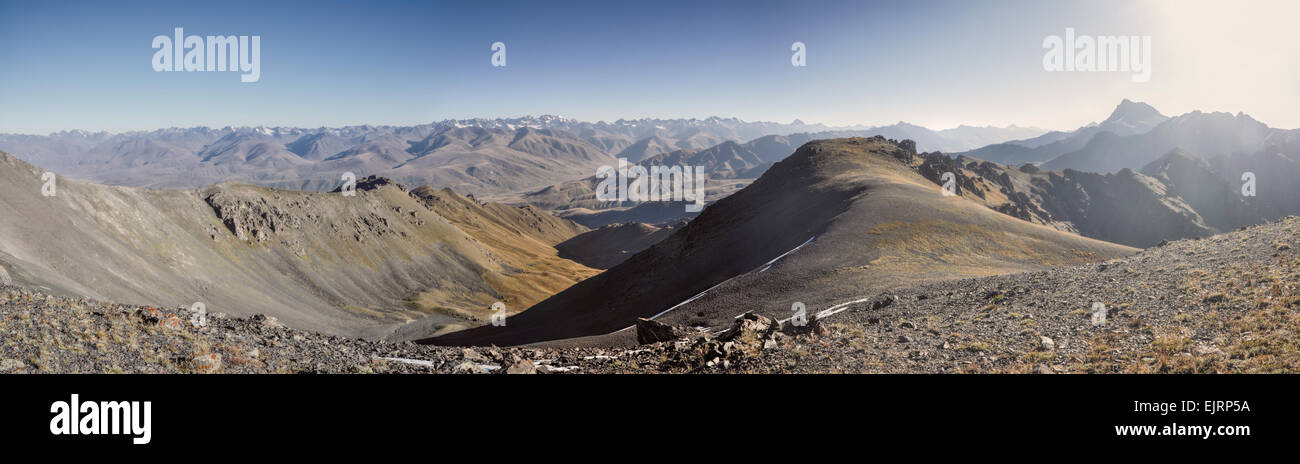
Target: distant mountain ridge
1128,118
1136,134
1206,135
470,155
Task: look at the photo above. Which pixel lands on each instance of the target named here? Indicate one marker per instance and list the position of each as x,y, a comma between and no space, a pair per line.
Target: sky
72,65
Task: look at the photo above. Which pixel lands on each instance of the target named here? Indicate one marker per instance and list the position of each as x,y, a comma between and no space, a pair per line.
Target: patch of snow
417,362
774,260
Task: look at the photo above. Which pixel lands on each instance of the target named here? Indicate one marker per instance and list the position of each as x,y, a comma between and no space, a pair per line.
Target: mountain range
1136,134
479,156
806,217
1133,136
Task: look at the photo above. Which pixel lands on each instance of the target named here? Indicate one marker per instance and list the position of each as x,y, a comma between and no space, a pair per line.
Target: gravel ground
1222,304
1226,303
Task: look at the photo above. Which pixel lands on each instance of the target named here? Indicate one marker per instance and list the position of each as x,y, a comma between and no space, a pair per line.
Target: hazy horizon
420,123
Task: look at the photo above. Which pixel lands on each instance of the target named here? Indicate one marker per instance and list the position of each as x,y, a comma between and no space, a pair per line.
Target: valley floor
1224,304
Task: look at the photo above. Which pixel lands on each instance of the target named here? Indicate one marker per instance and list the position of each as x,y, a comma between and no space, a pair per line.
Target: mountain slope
1275,170
732,161
477,160
837,219
1179,308
1219,203
318,146
318,261
608,246
1167,312
1177,196
645,148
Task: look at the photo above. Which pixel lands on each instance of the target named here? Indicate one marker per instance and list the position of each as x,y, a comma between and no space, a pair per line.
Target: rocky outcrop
1176,197
934,165
251,219
372,183
649,331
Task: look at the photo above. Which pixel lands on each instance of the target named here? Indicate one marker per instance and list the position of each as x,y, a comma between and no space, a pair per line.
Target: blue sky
70,65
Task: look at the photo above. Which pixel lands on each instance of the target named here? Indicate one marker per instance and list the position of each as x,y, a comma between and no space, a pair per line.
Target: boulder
471,355
813,327
648,331
883,300
267,321
207,363
468,367
753,327
522,367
